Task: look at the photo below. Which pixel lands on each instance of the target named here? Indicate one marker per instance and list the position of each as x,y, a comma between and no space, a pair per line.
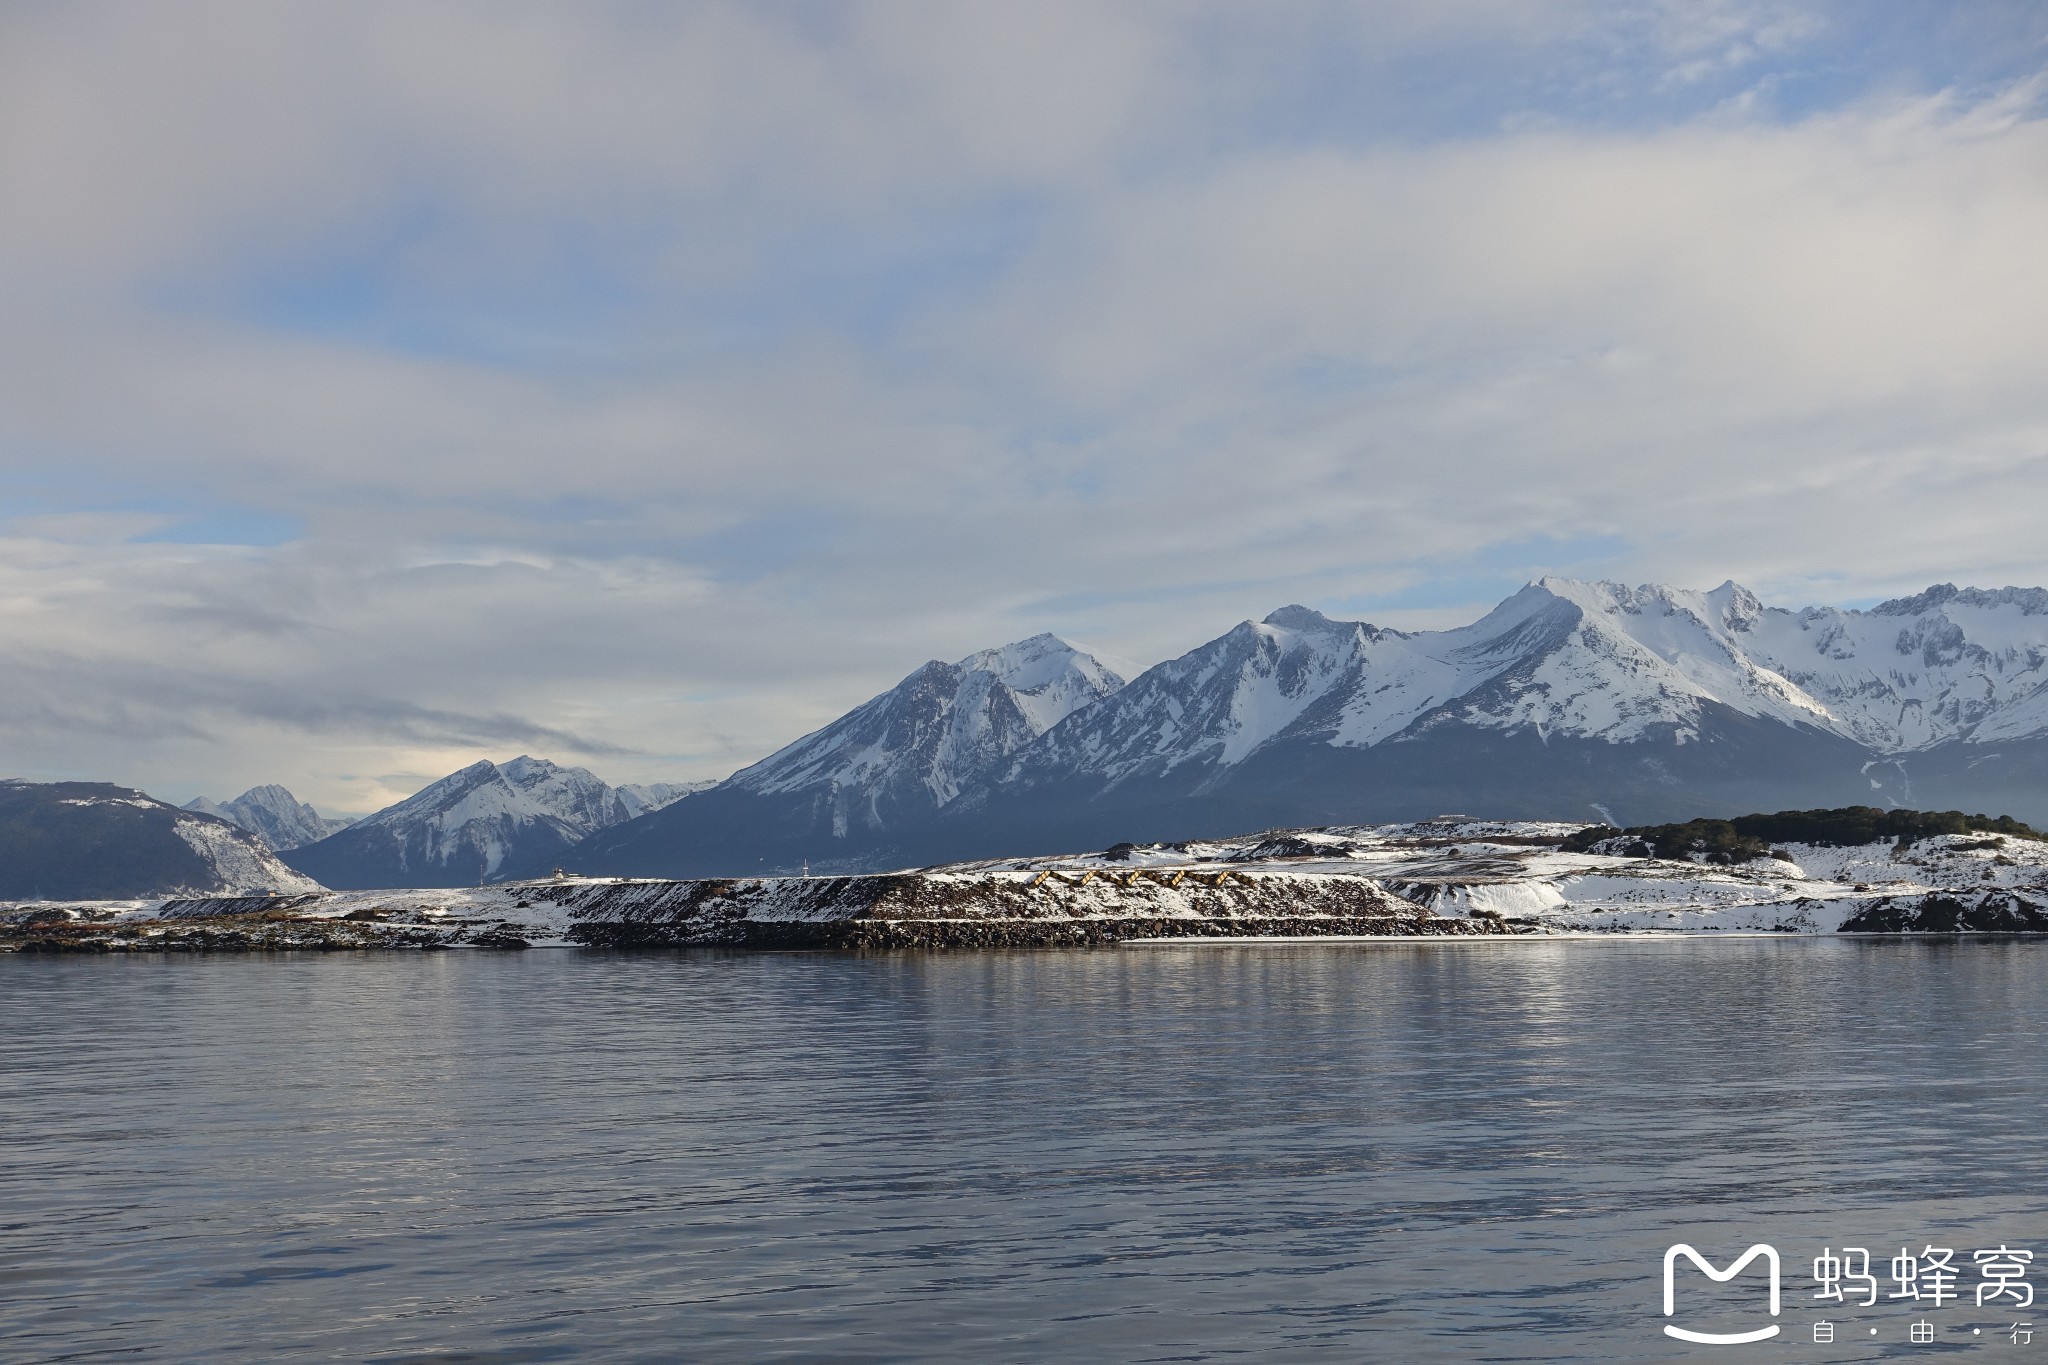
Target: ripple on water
1451,1151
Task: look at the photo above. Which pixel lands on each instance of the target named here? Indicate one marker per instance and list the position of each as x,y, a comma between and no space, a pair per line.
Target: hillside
94,840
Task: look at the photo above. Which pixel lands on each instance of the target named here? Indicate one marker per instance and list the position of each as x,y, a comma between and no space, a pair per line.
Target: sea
1457,1150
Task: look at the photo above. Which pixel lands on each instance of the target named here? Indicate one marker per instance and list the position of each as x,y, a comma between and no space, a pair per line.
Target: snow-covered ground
1518,871
1488,877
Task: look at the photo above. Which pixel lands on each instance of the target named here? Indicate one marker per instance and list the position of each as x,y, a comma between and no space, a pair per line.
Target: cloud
654,383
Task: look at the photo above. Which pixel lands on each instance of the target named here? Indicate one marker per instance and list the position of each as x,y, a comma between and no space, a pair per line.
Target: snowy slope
1947,664
272,814
1941,666
242,863
1621,664
1212,705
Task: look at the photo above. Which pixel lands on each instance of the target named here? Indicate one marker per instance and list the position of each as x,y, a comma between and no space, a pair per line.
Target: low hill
94,840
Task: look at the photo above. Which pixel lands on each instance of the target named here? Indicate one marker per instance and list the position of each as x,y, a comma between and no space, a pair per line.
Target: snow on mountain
1583,660
485,807
242,863
1216,703
941,729
1617,663
274,815
476,824
1946,664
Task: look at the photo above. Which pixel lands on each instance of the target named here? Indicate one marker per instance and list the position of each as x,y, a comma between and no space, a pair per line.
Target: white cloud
663,380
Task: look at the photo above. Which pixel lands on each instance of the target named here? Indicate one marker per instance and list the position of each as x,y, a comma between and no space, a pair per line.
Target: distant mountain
868,785
273,815
1569,701
638,798
96,841
479,824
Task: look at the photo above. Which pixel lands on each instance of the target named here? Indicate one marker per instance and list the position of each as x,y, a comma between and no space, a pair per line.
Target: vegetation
1748,837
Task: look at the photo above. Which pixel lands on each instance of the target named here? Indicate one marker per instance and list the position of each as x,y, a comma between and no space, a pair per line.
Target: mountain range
1569,701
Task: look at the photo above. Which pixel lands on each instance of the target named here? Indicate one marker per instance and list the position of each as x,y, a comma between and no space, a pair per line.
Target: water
1452,1151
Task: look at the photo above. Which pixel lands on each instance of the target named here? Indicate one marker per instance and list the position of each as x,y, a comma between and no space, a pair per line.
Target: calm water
1442,1152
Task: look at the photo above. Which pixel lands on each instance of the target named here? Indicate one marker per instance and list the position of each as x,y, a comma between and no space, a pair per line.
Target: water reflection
1425,1152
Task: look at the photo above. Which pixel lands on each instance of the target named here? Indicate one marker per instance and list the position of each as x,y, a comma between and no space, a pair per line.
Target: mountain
273,815
868,786
1568,701
476,825
96,841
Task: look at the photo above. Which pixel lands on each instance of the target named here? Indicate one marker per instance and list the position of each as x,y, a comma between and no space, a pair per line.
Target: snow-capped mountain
272,814
1570,700
1587,660
1945,665
1560,658
888,766
941,729
487,821
93,840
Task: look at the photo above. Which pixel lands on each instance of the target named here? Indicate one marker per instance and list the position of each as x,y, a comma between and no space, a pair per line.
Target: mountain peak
272,814
1739,608
1297,617
1034,662
527,771
941,729
1938,595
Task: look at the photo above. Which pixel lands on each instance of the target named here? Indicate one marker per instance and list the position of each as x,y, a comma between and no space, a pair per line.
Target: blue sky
394,385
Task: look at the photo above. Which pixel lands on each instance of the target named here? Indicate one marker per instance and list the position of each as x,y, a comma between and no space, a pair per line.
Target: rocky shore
1441,879
933,909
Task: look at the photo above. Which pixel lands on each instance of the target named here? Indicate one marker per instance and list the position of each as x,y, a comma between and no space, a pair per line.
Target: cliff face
996,909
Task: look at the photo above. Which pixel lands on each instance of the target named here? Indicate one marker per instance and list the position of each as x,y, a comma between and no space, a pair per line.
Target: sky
386,386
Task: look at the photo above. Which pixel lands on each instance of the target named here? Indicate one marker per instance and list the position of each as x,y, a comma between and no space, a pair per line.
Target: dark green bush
1747,837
